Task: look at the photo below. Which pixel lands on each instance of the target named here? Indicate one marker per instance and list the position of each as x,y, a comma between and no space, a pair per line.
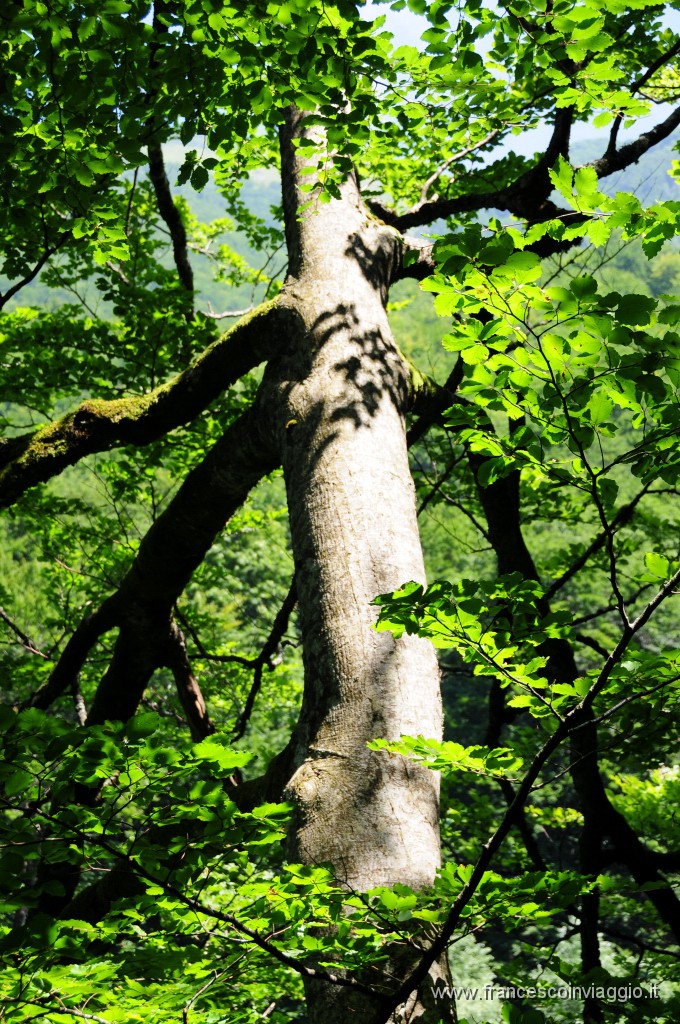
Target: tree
361,135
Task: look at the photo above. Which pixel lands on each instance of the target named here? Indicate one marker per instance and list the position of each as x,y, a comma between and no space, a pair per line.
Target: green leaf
475,354
143,724
599,231
18,781
658,565
635,310
582,287
522,266
585,185
225,758
199,178
600,407
562,177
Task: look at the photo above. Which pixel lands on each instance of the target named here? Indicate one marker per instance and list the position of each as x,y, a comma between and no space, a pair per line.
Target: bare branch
265,658
436,209
417,262
62,1008
231,314
188,689
591,642
636,87
622,517
118,271
635,940
527,197
172,549
131,199
171,216
37,267
24,640
65,673
126,861
435,404
454,158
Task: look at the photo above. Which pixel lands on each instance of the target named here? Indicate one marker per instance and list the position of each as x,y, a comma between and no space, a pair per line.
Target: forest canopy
339,472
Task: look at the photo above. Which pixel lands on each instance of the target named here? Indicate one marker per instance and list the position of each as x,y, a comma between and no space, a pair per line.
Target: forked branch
173,548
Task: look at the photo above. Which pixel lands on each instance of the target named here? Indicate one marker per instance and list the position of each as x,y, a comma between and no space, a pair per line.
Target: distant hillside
649,179
260,193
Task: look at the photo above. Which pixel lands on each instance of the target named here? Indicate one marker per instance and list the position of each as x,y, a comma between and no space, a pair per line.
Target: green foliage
451,757
132,887
573,386
157,822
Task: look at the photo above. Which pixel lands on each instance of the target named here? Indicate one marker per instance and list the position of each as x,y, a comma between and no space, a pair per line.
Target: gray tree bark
339,396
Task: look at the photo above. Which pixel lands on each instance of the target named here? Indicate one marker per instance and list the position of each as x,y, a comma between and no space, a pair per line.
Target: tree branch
435,403
188,690
127,862
416,259
635,87
454,158
172,217
527,197
172,549
501,504
436,209
139,419
33,273
628,848
664,900
22,637
266,654
622,517
617,159
73,657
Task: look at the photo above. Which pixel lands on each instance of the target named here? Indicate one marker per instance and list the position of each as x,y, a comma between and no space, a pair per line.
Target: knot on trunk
377,251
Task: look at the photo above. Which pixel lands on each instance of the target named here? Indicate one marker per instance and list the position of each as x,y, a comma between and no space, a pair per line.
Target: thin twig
24,640
271,644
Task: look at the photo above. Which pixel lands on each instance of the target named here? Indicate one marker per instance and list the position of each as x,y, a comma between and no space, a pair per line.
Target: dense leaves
142,864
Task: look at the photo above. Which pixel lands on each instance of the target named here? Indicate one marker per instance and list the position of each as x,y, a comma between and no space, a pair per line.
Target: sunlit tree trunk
340,399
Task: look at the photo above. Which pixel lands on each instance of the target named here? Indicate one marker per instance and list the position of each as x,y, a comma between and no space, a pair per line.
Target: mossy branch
98,425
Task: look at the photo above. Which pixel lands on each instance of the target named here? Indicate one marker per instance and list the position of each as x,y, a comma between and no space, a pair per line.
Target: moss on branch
97,425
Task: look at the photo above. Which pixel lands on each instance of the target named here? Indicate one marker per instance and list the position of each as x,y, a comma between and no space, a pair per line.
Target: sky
407,27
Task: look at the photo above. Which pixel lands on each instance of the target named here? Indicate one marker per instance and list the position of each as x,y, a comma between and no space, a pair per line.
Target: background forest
157,953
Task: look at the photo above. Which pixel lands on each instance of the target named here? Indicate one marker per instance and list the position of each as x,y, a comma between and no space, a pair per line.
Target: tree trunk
339,397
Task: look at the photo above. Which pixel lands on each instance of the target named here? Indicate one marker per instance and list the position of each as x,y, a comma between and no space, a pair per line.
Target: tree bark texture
339,395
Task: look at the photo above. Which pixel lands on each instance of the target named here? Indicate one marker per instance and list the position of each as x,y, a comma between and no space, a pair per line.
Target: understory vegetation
145,867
